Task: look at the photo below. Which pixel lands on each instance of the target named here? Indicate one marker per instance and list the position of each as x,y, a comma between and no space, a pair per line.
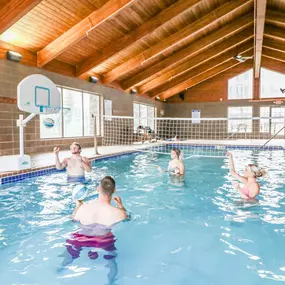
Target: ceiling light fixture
13,56
133,91
93,79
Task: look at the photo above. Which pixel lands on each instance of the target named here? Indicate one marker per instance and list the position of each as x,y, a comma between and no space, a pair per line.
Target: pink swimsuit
245,191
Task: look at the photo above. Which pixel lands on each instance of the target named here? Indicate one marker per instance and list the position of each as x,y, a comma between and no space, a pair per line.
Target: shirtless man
76,165
96,220
101,211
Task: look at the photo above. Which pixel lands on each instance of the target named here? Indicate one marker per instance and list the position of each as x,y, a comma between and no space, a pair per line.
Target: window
91,105
264,123
108,109
272,84
272,125
278,123
239,125
72,120
144,115
77,122
240,86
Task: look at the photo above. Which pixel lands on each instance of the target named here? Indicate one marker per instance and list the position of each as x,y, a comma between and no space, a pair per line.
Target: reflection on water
181,232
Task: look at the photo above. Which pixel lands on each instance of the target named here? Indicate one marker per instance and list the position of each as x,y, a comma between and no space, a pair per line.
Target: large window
277,121
240,86
72,120
91,108
264,123
77,122
239,125
144,115
272,84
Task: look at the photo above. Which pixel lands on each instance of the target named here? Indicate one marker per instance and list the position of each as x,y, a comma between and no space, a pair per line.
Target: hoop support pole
21,123
95,137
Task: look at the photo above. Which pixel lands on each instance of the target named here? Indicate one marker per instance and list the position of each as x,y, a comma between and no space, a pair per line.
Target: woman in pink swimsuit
251,187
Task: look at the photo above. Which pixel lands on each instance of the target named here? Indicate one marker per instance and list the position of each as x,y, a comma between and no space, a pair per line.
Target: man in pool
100,211
76,165
96,219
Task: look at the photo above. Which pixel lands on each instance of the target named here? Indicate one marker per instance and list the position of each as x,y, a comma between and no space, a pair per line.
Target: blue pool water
193,233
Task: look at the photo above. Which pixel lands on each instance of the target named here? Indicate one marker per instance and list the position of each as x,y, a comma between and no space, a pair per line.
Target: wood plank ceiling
158,47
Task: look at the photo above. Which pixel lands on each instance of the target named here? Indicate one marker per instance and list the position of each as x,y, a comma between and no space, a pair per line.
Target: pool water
197,232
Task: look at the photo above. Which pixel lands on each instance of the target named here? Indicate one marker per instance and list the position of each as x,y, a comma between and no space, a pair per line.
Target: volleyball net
202,136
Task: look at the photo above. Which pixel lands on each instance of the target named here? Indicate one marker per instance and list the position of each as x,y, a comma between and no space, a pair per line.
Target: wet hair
78,145
258,172
177,151
108,185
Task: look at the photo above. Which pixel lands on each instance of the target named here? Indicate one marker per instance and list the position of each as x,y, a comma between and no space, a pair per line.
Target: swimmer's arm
76,214
238,177
60,165
160,169
119,203
181,169
233,171
86,164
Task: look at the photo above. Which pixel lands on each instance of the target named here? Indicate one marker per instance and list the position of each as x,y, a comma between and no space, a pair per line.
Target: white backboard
35,93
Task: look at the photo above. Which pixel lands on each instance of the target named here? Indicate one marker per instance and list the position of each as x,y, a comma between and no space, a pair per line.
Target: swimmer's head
175,153
75,148
252,170
107,186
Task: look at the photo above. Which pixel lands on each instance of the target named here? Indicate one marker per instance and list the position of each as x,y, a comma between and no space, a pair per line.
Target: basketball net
57,112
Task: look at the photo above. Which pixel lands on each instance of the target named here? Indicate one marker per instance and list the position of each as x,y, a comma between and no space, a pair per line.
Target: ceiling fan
241,58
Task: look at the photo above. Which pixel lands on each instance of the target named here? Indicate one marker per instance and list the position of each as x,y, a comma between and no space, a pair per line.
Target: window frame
100,105
261,85
250,86
148,105
239,119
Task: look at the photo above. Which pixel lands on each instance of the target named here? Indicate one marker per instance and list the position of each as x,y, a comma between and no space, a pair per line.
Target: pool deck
47,160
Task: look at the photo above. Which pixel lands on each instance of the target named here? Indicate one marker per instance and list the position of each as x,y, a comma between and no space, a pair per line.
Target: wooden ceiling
158,47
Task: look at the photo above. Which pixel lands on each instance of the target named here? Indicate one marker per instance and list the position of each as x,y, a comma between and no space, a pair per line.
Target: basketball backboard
38,94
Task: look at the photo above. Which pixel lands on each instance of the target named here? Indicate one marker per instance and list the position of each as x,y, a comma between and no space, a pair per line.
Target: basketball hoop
54,110
54,113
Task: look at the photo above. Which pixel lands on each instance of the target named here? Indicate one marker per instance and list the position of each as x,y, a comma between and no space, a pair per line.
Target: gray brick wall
12,73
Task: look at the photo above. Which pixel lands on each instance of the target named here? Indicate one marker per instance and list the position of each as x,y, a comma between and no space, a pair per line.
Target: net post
95,137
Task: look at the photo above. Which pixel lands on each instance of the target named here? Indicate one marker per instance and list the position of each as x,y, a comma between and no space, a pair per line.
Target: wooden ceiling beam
274,54
81,29
13,11
30,58
174,39
221,67
260,10
132,37
208,54
187,52
275,16
273,32
203,68
273,44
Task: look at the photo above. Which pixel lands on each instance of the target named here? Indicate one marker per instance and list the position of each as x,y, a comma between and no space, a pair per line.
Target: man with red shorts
96,219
